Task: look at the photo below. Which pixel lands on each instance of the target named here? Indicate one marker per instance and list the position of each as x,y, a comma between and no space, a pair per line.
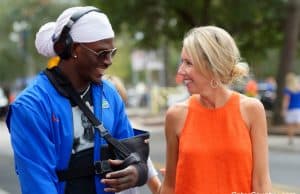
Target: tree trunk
206,13
287,54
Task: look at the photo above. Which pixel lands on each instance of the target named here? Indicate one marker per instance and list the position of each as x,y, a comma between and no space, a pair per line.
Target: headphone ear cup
67,52
63,46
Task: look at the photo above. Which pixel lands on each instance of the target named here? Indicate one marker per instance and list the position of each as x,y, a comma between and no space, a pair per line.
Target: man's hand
122,179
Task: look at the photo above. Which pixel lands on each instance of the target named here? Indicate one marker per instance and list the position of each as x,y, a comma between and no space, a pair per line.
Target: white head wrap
92,27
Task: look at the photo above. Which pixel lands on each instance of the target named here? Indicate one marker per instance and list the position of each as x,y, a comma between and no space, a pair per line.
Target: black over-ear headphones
63,43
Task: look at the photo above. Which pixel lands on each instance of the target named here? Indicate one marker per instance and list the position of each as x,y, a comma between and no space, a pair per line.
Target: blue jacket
41,128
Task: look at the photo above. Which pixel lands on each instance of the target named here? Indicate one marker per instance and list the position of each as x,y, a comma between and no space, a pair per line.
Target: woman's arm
174,122
285,103
261,182
153,180
154,184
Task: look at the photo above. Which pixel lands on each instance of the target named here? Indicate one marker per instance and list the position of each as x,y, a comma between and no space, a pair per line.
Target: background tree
256,25
17,51
291,37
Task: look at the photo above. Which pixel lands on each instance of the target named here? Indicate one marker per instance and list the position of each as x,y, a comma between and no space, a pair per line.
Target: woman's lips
179,79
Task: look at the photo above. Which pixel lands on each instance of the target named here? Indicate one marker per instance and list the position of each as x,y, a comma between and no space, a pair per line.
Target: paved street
8,179
284,159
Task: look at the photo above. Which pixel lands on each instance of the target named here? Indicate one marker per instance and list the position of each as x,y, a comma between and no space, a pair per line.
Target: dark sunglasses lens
110,53
113,52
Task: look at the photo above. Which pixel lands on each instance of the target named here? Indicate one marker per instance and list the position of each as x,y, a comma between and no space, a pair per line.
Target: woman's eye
188,63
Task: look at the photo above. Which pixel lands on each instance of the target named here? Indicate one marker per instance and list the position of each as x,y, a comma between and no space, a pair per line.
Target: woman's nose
180,69
180,74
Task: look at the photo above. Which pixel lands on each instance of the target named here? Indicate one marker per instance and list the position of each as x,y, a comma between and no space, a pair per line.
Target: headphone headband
78,15
63,43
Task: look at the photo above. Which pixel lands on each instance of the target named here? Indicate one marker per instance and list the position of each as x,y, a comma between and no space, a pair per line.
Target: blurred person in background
251,89
4,102
217,139
49,133
267,90
271,84
153,180
291,105
118,83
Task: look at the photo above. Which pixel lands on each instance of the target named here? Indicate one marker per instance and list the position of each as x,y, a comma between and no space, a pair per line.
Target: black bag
136,144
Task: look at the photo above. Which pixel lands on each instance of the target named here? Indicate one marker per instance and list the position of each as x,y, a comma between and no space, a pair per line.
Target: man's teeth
186,81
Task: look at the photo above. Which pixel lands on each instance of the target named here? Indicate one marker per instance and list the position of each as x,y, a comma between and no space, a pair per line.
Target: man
49,133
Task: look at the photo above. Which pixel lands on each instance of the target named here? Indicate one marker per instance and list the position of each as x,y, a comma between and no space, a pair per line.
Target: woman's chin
189,89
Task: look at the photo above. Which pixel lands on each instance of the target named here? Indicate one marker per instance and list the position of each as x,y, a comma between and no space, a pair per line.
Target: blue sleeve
123,125
34,152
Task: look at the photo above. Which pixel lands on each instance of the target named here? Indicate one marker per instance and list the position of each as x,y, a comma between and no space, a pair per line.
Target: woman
217,139
291,105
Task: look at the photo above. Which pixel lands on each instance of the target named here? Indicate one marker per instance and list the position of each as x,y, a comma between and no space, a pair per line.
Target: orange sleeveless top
215,152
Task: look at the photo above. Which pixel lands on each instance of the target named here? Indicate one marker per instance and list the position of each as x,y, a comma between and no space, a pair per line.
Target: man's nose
107,62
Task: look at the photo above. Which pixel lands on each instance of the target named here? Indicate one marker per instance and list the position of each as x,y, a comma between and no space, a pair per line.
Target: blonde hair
117,82
214,51
292,83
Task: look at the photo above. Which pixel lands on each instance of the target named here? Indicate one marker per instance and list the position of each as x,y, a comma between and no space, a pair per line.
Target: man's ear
74,50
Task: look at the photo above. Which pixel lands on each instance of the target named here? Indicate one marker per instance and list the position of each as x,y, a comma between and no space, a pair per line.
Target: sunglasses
103,54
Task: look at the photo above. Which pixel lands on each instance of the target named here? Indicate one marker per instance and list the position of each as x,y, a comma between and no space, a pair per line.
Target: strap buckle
102,167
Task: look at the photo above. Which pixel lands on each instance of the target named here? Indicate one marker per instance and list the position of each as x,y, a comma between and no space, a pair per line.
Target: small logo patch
54,118
105,104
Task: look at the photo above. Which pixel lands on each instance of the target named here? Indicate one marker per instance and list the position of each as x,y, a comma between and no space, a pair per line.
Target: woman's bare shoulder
177,109
250,103
175,116
251,108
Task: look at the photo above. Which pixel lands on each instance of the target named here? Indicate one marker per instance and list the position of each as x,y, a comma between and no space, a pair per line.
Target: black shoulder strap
65,88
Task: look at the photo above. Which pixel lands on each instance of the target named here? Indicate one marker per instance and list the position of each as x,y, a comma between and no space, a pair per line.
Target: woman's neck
215,99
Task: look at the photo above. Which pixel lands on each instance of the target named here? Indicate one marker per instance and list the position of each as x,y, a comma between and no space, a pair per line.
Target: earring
214,83
75,56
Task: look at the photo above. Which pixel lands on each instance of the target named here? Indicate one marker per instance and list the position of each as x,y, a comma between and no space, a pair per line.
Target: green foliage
15,56
256,25
121,62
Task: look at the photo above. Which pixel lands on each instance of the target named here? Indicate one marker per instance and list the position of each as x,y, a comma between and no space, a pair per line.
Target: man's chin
97,79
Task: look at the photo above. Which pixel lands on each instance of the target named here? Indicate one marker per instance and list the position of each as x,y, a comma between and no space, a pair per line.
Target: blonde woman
291,105
217,139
